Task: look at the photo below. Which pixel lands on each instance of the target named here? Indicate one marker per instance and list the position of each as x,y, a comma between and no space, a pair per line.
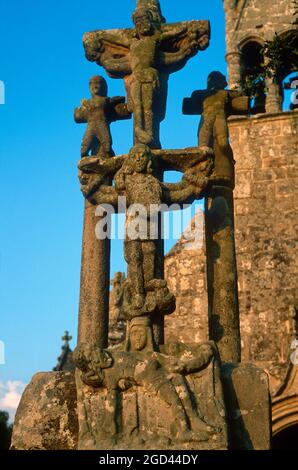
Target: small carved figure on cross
97,112
216,104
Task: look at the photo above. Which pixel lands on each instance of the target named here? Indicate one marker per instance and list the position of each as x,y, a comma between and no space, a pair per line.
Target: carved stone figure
98,113
144,57
116,317
147,393
116,297
215,105
150,372
145,292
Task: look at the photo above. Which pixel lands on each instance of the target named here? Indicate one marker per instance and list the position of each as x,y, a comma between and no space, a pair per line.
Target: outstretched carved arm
109,49
192,186
176,58
185,40
114,100
119,66
183,192
106,195
80,115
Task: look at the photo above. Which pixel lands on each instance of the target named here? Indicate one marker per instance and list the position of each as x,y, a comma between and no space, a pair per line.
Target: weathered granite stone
266,240
46,418
98,112
137,182
143,399
47,415
116,315
216,104
266,149
247,399
144,57
145,394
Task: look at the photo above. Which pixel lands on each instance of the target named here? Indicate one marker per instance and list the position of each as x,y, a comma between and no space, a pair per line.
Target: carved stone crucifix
144,57
136,178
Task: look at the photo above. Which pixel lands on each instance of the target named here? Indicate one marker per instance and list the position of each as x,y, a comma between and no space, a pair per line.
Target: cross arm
195,164
109,49
95,175
181,41
118,109
182,159
194,104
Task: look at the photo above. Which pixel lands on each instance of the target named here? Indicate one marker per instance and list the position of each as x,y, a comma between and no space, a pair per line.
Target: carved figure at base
118,371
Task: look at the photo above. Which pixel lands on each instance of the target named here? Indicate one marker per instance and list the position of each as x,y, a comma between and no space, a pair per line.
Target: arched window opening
281,55
253,82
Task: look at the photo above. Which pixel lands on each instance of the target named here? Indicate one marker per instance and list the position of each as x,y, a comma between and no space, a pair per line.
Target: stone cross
135,178
66,338
215,105
144,57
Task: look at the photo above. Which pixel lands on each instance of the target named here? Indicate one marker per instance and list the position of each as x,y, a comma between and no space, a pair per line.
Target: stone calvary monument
148,393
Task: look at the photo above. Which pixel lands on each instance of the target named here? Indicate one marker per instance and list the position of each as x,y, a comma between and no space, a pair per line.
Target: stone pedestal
47,417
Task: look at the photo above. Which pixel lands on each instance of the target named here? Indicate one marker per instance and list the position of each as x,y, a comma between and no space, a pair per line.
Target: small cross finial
66,338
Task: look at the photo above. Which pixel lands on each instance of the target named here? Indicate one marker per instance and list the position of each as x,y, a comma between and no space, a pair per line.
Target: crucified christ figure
144,57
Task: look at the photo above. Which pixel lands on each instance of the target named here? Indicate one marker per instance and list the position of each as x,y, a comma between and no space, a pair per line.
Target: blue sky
46,75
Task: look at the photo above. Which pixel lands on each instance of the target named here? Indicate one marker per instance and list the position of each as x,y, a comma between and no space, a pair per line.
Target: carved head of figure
143,21
216,81
154,7
139,335
140,159
98,86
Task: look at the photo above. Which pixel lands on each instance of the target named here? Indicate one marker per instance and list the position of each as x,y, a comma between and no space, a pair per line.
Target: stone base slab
47,418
